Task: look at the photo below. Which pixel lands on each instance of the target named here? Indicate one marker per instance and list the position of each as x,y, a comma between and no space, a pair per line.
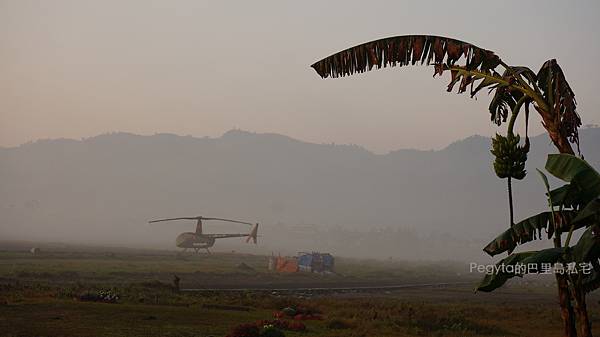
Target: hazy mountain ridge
105,188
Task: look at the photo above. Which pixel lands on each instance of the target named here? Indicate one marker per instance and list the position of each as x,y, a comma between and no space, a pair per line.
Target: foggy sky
80,68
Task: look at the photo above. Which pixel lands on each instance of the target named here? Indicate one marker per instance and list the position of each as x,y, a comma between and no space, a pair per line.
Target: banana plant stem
510,202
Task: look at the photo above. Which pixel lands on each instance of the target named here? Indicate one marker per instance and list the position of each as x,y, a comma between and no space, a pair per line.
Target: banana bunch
510,156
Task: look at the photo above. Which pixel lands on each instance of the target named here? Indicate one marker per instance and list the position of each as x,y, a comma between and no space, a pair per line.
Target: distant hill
410,203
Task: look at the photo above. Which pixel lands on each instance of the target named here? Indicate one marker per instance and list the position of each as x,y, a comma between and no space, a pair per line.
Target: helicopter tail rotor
253,234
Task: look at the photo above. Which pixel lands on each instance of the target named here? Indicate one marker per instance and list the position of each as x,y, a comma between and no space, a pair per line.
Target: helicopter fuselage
193,240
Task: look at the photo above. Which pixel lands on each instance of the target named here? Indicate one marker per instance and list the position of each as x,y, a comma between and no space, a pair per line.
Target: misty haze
299,168
407,204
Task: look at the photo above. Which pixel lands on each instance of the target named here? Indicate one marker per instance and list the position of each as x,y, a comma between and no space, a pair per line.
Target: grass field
42,295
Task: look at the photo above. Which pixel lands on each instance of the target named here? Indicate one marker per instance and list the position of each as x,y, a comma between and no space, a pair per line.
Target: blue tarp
327,261
305,260
315,262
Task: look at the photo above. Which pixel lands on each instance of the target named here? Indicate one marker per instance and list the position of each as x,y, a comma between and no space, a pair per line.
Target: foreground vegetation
131,293
67,265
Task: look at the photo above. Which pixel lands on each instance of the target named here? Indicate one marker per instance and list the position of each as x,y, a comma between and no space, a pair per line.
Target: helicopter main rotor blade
170,219
221,219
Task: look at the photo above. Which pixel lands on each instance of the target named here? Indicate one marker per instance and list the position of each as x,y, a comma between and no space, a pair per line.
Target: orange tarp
286,265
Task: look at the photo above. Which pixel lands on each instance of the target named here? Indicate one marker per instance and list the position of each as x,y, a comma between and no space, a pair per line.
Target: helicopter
198,240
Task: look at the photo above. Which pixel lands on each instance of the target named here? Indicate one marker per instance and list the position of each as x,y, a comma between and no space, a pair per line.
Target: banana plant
573,206
472,68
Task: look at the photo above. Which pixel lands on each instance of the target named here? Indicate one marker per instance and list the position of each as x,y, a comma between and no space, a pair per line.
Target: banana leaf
560,98
588,247
503,273
531,229
406,50
587,250
574,170
584,180
591,281
590,213
469,66
566,196
566,166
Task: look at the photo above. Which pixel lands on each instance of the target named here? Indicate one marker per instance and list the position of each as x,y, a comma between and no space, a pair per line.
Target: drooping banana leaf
498,277
531,229
406,50
561,99
469,66
527,73
504,101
